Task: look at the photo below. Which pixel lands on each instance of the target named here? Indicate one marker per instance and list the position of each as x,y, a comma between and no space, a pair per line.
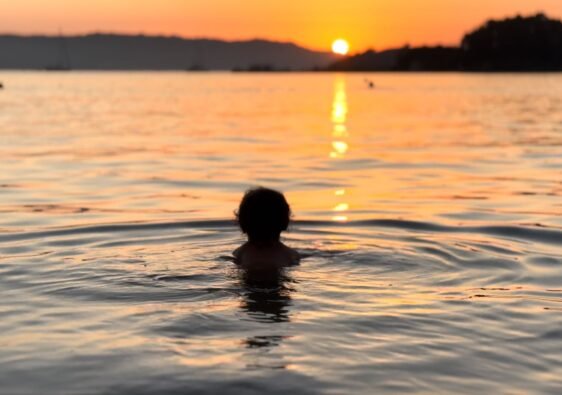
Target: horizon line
209,38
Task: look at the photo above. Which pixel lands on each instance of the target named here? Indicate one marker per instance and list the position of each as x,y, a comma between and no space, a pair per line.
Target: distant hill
368,61
125,52
531,43
403,59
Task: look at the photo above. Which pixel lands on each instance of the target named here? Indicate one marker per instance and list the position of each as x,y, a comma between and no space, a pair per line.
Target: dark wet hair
263,214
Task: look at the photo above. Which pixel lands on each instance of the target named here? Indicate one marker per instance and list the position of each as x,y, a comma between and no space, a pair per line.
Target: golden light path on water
340,146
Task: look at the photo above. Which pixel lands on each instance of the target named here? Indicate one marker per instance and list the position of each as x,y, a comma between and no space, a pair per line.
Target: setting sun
340,47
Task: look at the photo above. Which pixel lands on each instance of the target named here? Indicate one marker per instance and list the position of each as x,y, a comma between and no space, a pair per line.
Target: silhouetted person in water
263,214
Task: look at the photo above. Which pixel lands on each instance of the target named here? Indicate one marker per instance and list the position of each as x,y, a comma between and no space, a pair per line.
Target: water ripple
522,233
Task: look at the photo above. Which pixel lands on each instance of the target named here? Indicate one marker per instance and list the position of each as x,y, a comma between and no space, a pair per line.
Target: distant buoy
369,83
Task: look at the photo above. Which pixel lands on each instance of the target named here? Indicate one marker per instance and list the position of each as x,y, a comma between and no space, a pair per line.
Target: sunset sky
312,23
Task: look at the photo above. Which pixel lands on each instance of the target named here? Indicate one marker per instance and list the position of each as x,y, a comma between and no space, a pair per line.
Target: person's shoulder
294,255
237,253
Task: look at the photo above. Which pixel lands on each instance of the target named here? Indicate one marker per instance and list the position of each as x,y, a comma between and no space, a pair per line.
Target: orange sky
313,23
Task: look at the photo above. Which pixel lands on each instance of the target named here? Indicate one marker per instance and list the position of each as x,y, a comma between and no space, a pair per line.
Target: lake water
430,208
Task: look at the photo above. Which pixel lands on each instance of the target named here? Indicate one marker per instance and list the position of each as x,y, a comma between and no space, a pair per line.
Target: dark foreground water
429,209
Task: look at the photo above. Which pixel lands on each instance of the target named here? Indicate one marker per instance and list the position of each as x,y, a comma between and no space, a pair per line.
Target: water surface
429,208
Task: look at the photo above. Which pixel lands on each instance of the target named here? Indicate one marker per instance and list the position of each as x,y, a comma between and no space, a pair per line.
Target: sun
340,47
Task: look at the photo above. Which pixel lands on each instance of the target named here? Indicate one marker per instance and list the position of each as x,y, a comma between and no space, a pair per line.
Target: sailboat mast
65,55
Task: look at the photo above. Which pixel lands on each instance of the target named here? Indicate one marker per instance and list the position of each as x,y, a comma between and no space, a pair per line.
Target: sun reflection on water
340,145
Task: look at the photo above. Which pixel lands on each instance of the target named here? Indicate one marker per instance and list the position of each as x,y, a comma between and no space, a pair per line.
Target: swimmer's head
263,214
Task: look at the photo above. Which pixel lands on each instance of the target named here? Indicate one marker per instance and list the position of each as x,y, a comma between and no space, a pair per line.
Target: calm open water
430,208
